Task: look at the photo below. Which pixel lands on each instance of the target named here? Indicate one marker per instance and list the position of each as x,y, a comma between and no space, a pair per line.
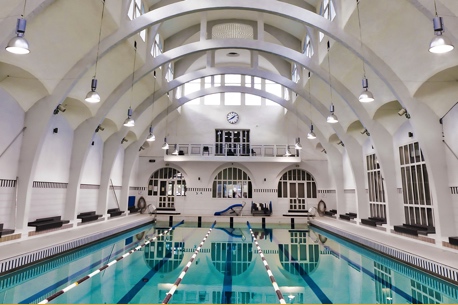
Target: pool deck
29,244
428,251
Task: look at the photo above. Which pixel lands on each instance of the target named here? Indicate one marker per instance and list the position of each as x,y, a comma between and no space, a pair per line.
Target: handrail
114,192
52,297
269,272
236,149
185,269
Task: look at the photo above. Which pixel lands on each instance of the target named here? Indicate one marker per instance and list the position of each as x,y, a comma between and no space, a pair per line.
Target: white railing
237,150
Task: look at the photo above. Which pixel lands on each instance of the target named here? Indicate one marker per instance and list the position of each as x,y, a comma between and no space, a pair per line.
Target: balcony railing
254,151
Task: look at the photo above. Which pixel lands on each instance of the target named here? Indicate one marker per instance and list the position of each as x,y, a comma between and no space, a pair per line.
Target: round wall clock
232,117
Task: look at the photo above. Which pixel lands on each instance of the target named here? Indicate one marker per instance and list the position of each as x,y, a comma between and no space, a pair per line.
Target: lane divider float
186,268
69,287
266,265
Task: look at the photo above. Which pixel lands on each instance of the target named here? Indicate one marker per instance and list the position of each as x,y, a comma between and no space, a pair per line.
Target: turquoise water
309,265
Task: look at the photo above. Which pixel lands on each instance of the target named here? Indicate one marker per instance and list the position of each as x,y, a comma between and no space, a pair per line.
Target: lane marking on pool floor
52,297
186,268
266,265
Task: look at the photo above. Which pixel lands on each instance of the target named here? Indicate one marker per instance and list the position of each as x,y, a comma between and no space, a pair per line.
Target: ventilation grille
326,191
265,190
7,183
137,188
89,186
232,30
49,185
454,190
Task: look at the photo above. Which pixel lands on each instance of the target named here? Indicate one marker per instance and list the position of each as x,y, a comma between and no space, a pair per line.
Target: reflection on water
309,266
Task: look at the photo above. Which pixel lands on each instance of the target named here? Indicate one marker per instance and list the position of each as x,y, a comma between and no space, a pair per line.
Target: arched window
297,185
328,11
232,182
157,48
166,183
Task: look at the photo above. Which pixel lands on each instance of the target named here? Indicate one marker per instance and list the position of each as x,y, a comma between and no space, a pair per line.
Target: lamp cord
360,35
133,73
154,91
100,35
435,7
329,65
23,10
310,97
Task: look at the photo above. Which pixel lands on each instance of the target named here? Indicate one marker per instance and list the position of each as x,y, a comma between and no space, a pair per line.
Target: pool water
309,266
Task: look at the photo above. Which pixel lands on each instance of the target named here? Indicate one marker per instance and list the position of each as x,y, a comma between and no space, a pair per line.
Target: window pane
212,99
252,100
232,98
233,80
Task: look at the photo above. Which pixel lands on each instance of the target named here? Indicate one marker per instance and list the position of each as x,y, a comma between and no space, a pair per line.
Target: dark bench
414,229
114,212
261,209
133,210
42,224
88,216
373,221
347,216
5,231
330,213
453,240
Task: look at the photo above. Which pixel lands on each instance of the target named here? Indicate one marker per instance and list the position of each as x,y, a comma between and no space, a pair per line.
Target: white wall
54,160
93,165
11,124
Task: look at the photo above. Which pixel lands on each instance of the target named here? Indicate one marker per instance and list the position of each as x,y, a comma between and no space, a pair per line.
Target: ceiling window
136,9
169,73
308,48
157,48
295,74
328,11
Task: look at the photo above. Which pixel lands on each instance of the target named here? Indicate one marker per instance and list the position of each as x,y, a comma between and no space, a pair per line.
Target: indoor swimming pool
307,265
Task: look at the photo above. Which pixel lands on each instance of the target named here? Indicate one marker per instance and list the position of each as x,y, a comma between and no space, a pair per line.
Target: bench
330,213
347,216
414,229
261,209
133,210
5,231
453,240
114,212
373,221
88,216
42,224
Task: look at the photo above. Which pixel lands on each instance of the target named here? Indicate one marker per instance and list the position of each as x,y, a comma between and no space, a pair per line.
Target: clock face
232,117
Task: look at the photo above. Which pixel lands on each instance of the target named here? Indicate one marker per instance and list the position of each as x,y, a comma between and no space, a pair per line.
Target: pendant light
298,144
332,118
151,137
129,122
19,45
440,43
92,96
311,135
175,152
366,96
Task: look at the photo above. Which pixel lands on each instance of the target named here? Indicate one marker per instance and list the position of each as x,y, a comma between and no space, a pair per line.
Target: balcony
232,152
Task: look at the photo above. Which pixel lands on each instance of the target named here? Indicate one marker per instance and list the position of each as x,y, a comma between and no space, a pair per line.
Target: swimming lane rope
185,269
52,297
269,272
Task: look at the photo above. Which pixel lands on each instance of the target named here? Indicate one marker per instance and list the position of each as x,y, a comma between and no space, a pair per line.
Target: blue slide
235,209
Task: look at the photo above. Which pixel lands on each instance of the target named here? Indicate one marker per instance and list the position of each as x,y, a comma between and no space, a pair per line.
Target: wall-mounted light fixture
404,112
55,130
99,128
341,143
324,151
366,132
141,148
124,140
59,108
19,45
